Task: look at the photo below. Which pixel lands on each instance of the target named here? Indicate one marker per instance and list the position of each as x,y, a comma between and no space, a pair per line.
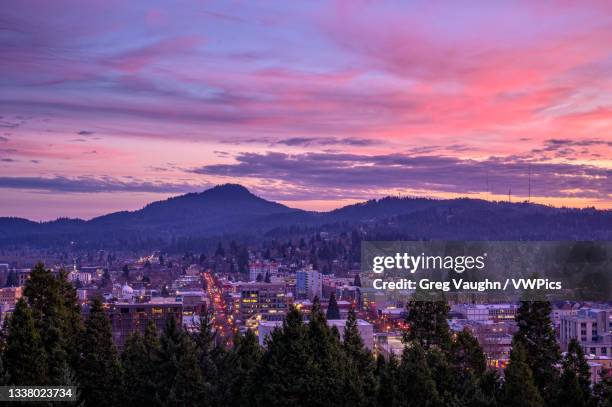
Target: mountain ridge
231,209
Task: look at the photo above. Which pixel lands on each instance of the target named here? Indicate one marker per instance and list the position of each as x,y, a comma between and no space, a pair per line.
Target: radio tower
529,195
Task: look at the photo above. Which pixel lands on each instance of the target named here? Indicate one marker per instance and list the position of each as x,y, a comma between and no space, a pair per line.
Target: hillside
231,209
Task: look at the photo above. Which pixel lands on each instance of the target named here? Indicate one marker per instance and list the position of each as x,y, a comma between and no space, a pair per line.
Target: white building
592,328
82,277
487,312
308,284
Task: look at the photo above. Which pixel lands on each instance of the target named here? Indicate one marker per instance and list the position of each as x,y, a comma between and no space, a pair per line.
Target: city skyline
108,106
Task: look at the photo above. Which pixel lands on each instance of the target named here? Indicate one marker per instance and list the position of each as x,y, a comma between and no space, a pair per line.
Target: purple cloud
322,171
95,184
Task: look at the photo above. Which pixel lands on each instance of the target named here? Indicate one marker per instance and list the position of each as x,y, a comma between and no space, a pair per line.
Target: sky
108,105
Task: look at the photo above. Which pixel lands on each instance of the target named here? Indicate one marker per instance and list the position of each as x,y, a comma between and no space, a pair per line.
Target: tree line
47,342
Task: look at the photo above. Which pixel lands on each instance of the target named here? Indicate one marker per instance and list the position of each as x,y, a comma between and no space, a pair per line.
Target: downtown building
265,301
308,284
592,328
127,318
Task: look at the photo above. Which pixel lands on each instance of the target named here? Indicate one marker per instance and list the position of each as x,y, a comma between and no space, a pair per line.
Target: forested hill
231,210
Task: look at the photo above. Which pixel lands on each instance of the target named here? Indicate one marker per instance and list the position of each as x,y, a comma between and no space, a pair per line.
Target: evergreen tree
448,384
327,380
188,388
388,392
360,373
575,389
519,386
467,355
57,316
491,388
602,391
357,280
415,380
428,324
220,252
333,312
24,354
99,370
4,375
139,386
44,297
168,356
248,354
72,318
468,365
225,362
536,334
151,340
204,342
126,272
283,377
180,380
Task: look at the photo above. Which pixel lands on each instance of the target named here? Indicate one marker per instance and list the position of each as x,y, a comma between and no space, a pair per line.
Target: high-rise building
308,284
267,300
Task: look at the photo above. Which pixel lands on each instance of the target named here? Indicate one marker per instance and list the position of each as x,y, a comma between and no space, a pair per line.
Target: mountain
221,208
232,210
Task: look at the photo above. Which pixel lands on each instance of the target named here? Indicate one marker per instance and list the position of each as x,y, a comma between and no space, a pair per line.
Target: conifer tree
445,377
24,355
99,370
43,293
73,320
536,334
283,377
57,315
519,386
139,386
225,362
602,391
248,356
188,388
575,389
388,392
4,376
327,380
357,280
467,355
204,342
428,324
333,312
151,342
180,379
415,381
168,356
362,378
468,364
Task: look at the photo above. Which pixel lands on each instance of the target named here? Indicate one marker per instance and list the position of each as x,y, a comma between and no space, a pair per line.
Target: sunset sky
107,105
